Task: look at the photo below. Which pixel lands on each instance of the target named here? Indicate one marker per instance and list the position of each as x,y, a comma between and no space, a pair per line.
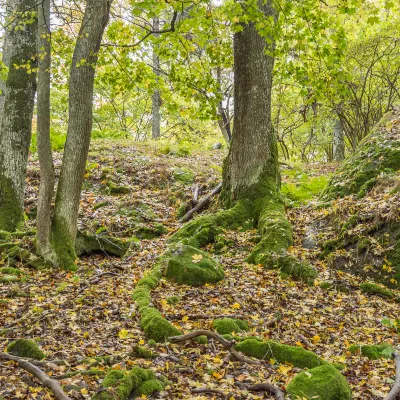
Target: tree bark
16,117
64,224
156,101
223,121
251,169
47,177
338,141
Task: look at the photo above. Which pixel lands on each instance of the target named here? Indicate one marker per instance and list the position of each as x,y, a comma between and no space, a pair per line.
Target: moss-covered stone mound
281,353
25,348
225,326
191,266
120,384
320,383
373,351
86,244
378,153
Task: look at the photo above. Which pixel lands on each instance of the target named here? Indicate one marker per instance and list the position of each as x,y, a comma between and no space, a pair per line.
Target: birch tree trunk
156,101
64,224
47,178
223,121
16,116
338,141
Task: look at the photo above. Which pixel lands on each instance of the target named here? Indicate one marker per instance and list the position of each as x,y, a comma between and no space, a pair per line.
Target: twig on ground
228,345
269,388
395,392
46,381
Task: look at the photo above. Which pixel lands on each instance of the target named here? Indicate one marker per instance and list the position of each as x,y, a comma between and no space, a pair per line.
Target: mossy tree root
204,229
276,237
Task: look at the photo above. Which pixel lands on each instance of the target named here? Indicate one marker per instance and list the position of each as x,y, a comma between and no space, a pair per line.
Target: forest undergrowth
136,191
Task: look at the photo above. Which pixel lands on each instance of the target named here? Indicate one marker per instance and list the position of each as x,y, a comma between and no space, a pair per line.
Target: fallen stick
45,380
269,388
201,204
395,392
225,396
212,335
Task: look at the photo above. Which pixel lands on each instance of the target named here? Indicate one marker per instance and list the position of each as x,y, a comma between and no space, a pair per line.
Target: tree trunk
156,121
5,59
64,224
47,178
251,169
223,121
338,141
16,117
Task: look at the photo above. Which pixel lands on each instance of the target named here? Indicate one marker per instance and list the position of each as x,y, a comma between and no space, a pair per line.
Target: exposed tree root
269,388
228,345
46,381
394,394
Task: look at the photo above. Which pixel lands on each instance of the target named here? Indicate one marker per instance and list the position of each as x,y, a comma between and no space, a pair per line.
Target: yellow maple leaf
123,334
236,305
196,258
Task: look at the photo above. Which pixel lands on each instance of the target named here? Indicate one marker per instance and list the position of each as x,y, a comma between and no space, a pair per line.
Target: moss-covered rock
149,387
323,383
150,231
120,384
25,348
191,266
229,325
86,244
373,351
372,288
281,353
183,175
141,352
378,153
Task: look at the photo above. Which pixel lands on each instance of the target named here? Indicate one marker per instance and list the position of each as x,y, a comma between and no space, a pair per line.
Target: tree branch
395,392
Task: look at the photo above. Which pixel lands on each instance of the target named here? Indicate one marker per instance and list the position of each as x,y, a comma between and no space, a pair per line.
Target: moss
116,190
100,205
150,232
191,266
148,281
183,176
63,245
10,271
373,352
141,352
324,383
11,210
149,387
282,353
86,244
377,153
25,348
228,325
328,247
173,300
158,328
372,288
340,287
349,224
204,229
394,258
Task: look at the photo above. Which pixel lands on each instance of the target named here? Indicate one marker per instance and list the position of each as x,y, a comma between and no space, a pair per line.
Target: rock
217,146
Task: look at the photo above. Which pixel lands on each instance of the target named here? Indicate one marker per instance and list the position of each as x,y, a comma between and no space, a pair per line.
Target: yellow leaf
196,258
141,341
84,391
123,334
185,318
236,305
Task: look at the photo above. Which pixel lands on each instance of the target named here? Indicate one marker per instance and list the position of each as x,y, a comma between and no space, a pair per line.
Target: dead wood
269,388
394,394
45,380
228,345
201,204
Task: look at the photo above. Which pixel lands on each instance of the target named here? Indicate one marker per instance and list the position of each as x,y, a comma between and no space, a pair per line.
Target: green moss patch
281,353
25,348
373,351
120,384
372,288
150,232
86,244
154,325
377,153
191,266
323,383
229,325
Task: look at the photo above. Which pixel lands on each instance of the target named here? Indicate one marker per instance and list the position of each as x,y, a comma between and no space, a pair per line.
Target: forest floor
91,313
